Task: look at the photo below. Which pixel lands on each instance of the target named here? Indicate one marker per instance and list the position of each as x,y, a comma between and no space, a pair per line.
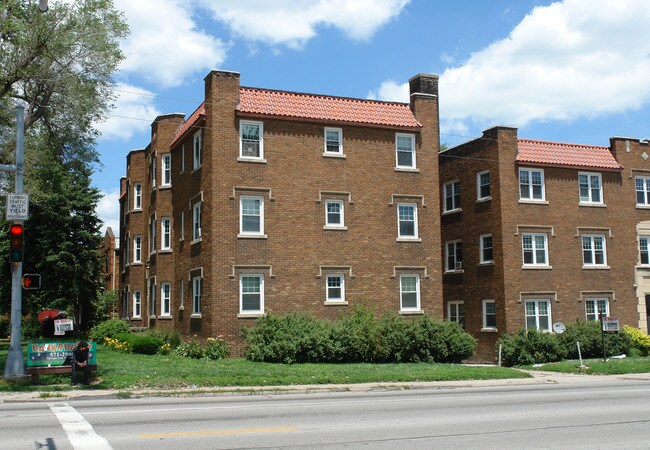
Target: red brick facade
110,261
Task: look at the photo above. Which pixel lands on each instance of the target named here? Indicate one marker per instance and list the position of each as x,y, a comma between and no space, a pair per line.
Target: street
612,414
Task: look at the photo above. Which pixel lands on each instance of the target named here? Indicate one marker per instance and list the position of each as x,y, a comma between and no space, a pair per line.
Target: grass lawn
598,367
117,370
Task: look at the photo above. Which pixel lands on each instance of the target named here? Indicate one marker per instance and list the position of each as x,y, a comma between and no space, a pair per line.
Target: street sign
611,324
17,206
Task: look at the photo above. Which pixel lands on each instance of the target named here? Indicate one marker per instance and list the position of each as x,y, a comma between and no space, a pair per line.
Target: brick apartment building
272,201
538,232
110,261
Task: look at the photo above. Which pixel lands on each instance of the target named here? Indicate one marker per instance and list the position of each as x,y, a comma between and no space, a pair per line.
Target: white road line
80,433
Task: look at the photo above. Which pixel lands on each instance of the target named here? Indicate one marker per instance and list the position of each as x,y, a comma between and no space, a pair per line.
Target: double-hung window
197,150
531,184
196,221
137,196
137,304
407,221
251,143
197,285
251,215
535,249
538,315
405,150
483,185
487,249
166,233
333,141
642,191
591,188
251,294
593,250
137,249
165,299
489,315
595,307
335,288
451,192
644,253
409,286
456,312
166,170
334,214
454,256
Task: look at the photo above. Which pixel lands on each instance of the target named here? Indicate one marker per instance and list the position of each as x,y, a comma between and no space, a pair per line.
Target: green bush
190,349
145,344
589,334
640,341
5,327
395,339
110,328
216,348
438,341
356,336
530,347
30,327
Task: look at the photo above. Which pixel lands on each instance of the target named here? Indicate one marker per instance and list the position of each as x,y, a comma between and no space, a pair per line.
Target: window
531,184
166,170
333,141
535,249
137,196
456,312
165,299
590,188
137,304
593,250
152,235
181,294
642,191
182,159
487,253
405,150
538,315
152,297
483,185
451,191
454,256
251,294
644,255
409,287
251,215
196,295
334,213
590,308
251,145
407,221
335,288
489,315
137,249
196,221
152,174
166,233
198,150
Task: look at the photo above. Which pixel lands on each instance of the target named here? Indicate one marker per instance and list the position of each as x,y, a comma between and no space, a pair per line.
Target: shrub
438,341
190,349
530,347
109,328
356,336
5,327
117,344
145,344
589,334
30,328
216,348
640,341
395,339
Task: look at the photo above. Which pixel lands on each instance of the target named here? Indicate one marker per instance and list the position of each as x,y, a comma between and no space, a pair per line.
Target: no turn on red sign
17,206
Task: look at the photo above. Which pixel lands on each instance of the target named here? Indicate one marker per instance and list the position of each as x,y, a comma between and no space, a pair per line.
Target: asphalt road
604,414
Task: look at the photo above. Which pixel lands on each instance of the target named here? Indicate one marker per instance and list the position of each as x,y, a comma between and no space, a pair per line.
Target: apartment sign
17,206
611,324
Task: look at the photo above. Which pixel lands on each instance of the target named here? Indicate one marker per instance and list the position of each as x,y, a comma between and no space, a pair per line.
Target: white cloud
294,22
165,46
133,113
391,91
108,210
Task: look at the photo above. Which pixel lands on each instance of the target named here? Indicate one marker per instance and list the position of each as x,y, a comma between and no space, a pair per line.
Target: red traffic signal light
31,281
16,233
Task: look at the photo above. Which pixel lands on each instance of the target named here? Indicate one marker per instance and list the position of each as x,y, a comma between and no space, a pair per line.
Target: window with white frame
644,254
407,220
486,249
165,299
334,213
152,235
454,256
251,142
137,249
166,170
251,294
456,312
335,288
593,250
334,141
152,174
409,288
405,150
451,192
535,249
197,150
531,184
595,307
642,190
196,221
166,233
197,283
538,315
591,188
137,196
489,315
251,215
125,252
137,304
483,185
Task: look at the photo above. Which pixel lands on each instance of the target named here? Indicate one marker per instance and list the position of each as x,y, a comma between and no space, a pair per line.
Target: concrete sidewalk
538,378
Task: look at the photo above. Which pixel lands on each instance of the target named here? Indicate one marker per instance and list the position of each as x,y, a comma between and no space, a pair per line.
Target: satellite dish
559,327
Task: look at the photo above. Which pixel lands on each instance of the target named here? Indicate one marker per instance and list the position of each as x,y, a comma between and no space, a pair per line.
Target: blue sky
570,71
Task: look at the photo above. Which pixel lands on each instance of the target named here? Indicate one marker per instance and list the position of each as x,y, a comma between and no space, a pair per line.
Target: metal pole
582,366
15,367
602,332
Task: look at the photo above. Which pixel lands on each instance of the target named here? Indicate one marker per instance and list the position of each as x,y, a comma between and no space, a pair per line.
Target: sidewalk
538,378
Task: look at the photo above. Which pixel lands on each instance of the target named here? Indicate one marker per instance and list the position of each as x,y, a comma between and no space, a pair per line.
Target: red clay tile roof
194,118
544,153
325,108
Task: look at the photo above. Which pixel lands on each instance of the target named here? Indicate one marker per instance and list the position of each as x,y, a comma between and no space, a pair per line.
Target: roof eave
329,122
567,166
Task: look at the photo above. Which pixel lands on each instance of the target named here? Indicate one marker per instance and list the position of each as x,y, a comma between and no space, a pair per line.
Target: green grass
117,370
598,367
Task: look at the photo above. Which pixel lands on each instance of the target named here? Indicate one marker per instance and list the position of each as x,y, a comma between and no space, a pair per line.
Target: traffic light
32,281
16,233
